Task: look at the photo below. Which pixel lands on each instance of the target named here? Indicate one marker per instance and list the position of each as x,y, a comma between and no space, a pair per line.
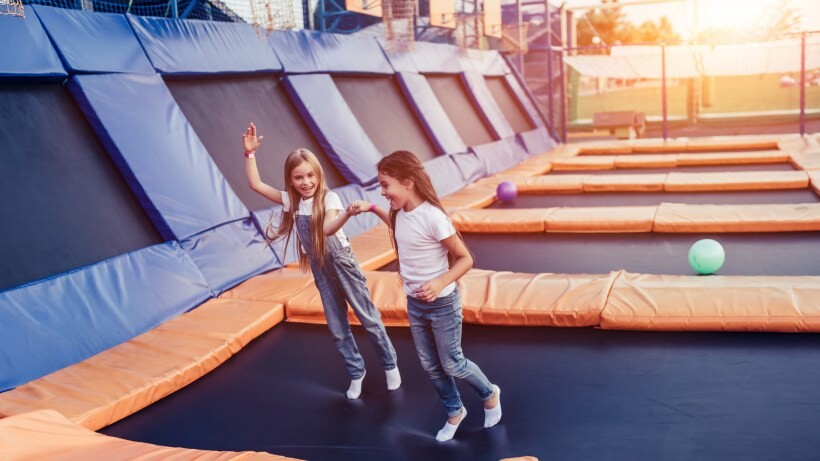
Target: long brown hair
404,165
272,233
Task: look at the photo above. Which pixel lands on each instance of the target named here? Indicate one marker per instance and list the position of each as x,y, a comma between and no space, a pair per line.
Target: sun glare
746,16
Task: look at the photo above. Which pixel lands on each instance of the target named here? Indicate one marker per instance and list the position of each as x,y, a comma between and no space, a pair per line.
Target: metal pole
663,91
176,10
802,84
564,89
521,38
550,106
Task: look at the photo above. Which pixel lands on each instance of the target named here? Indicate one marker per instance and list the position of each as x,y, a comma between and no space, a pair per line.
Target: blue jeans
340,281
436,328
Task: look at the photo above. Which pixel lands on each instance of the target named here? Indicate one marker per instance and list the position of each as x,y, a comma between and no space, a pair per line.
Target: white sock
393,379
355,389
449,430
493,415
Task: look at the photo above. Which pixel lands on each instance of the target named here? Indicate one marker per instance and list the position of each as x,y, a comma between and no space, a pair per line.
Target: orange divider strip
602,219
526,299
46,434
569,183
610,148
806,160
589,162
673,217
646,161
471,196
735,143
385,290
733,158
276,286
501,221
625,183
721,303
373,248
642,146
127,378
732,181
814,177
507,298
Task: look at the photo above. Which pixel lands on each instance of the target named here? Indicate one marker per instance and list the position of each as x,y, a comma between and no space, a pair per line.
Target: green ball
706,256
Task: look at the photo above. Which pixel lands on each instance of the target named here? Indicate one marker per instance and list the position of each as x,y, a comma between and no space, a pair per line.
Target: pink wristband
372,207
250,154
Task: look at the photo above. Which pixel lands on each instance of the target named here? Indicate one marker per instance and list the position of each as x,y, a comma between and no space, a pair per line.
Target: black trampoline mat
64,203
776,253
220,109
509,105
566,394
385,115
687,169
465,116
656,198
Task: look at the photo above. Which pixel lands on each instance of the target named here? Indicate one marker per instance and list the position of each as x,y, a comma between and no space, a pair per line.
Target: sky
747,15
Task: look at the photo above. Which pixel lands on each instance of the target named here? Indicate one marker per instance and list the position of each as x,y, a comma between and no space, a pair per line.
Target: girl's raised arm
251,142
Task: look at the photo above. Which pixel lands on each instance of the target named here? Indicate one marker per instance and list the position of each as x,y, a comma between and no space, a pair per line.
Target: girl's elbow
468,261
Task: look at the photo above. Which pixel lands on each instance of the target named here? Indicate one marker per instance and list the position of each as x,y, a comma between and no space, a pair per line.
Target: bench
623,124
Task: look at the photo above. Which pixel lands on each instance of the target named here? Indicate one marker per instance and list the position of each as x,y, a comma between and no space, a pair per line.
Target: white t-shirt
422,256
332,202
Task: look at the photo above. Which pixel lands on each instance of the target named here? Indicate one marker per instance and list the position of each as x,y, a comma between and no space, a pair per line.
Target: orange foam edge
713,303
46,434
127,378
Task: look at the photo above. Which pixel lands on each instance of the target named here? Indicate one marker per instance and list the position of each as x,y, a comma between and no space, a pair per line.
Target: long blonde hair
404,165
272,233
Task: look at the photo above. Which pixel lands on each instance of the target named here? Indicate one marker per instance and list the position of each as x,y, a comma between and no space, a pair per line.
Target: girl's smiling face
304,179
395,191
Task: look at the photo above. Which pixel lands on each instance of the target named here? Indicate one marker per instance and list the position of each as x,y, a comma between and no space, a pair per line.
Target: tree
612,27
787,18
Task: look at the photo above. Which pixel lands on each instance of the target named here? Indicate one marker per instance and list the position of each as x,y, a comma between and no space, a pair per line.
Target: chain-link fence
688,90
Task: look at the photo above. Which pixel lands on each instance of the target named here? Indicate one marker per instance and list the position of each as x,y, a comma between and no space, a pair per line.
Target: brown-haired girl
432,256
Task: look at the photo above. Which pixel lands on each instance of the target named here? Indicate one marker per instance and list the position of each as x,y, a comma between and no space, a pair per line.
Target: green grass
755,93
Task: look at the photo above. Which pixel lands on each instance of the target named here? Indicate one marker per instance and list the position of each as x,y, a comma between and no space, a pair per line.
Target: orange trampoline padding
495,298
602,219
127,378
276,286
673,217
501,221
734,181
814,177
373,248
646,146
625,183
720,303
732,158
588,162
646,161
385,290
806,160
507,298
607,148
46,434
471,196
733,143
568,184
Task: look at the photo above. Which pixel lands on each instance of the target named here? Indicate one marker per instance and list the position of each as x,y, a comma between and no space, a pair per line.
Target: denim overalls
340,281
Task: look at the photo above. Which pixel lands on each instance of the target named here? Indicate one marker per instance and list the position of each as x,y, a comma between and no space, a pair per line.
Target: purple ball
506,191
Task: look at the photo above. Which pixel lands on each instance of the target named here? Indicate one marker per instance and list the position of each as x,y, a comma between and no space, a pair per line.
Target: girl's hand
249,139
358,206
429,290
